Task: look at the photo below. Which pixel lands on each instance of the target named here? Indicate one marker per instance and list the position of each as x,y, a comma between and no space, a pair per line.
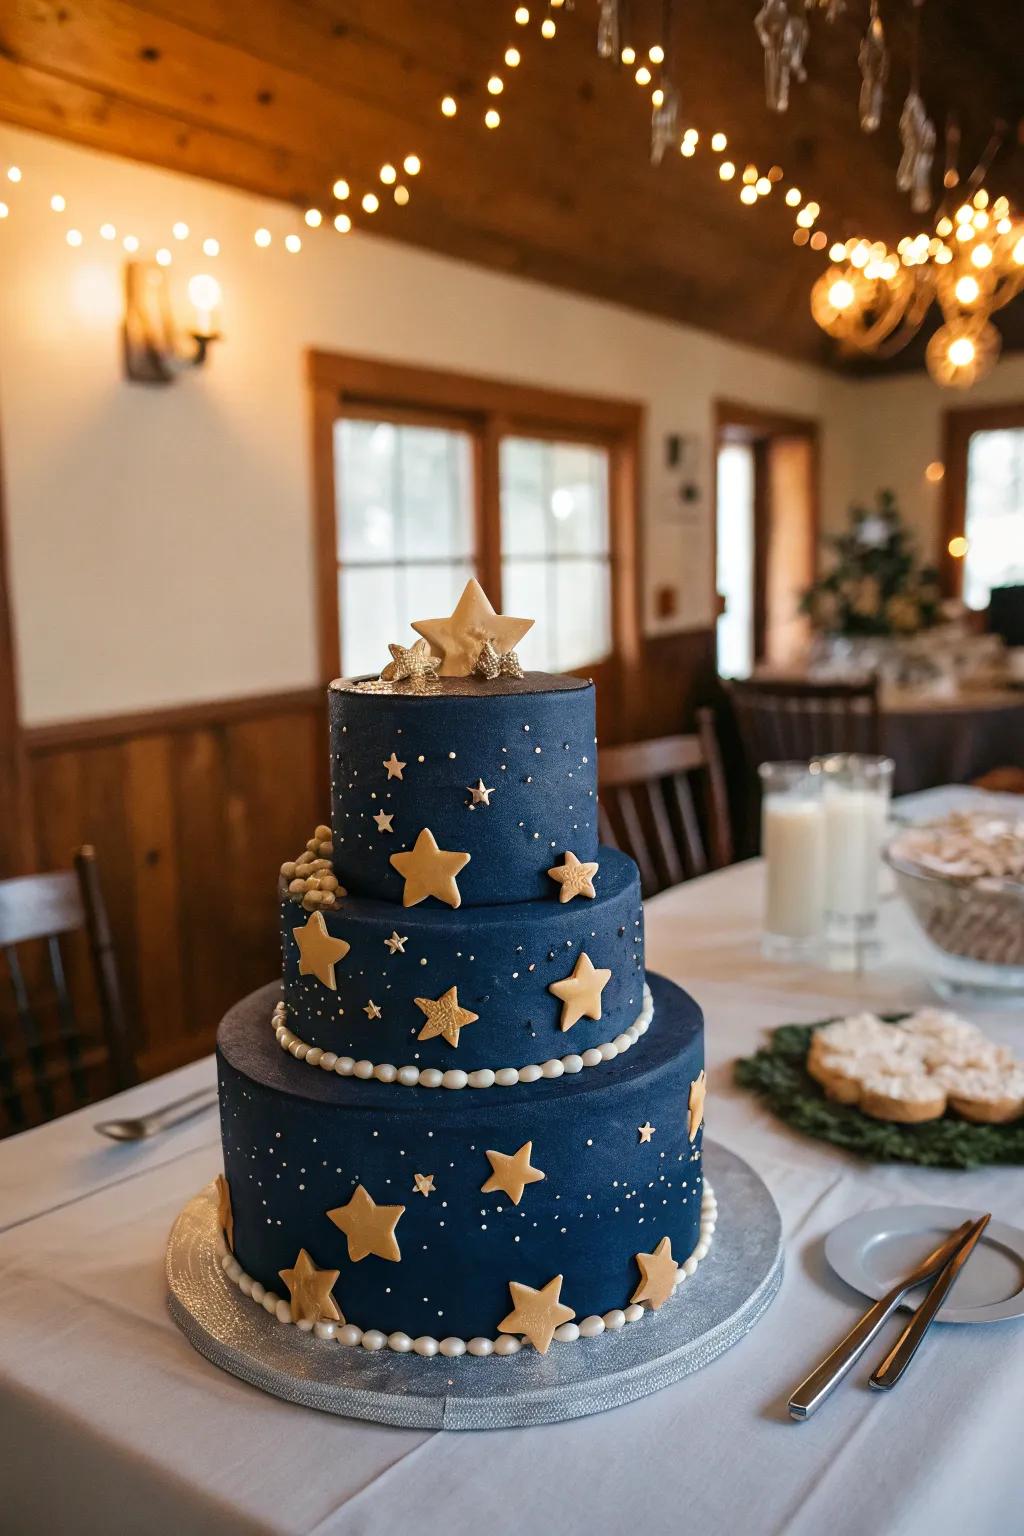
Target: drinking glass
793,844
855,794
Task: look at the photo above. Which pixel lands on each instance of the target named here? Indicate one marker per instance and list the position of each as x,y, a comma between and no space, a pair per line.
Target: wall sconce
156,348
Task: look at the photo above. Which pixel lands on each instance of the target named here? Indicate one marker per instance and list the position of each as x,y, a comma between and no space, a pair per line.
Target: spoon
158,1119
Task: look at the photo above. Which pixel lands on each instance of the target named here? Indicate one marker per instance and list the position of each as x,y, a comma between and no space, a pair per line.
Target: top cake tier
504,771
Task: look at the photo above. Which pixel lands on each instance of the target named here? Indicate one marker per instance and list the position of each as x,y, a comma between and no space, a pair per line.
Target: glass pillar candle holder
855,794
793,844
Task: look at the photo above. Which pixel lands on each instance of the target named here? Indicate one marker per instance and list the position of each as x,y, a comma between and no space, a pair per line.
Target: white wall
160,537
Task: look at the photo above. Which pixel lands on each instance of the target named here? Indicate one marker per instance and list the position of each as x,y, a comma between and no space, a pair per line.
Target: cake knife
906,1346
812,1392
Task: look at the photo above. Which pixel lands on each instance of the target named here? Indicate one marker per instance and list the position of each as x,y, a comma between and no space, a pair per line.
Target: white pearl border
505,1344
484,1077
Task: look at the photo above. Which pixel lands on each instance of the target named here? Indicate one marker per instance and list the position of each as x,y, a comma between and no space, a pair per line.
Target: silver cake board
731,1289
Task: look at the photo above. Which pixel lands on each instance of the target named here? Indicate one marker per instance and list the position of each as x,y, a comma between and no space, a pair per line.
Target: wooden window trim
958,427
490,408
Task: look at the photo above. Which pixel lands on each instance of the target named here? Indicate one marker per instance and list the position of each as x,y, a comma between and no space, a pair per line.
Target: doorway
766,533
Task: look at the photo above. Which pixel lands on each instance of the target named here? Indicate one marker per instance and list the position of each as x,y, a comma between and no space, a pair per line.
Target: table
951,741
110,1422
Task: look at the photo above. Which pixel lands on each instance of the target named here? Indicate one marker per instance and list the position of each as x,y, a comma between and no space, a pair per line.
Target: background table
110,1422
936,741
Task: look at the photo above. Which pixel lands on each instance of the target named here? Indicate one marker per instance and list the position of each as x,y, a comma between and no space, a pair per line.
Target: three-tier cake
470,1121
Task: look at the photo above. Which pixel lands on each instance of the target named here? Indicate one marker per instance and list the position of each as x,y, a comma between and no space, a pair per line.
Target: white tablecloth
109,1422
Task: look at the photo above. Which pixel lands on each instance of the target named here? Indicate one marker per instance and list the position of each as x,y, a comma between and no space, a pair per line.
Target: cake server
138,1128
906,1346
812,1392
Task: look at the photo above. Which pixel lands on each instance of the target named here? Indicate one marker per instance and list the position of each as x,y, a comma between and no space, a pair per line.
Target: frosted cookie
988,1097
906,1098
841,1073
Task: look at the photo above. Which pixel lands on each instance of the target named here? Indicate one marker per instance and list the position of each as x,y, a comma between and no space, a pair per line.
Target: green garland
779,1074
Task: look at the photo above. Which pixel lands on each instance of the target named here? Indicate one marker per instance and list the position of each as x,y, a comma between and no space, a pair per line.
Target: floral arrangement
875,585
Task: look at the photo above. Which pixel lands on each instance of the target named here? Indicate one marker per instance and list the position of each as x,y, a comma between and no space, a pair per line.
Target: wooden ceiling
283,96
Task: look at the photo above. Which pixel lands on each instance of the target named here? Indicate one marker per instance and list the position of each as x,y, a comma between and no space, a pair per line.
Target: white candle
854,828
793,843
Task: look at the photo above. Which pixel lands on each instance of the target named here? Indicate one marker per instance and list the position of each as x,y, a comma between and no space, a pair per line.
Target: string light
688,148
718,142
131,244
495,85
643,75
628,55
449,106
313,217
981,256
691,136
656,54
819,240
57,203
163,257
262,238
547,27
805,218
4,210
512,57
841,294
13,173
341,189
371,202
342,223
74,237
935,472
748,194
293,244
794,197
958,545
108,232
492,117
750,175
401,195
388,175
211,247
412,165
658,97
726,170
837,253
961,352
522,15
762,186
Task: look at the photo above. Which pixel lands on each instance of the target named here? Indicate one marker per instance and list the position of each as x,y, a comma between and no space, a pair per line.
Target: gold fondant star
536,1314
318,951
424,1183
444,1016
225,1215
310,1290
413,662
429,871
372,1010
574,877
698,1093
511,1172
580,993
396,944
384,820
646,1131
393,766
658,1271
481,794
369,1227
459,638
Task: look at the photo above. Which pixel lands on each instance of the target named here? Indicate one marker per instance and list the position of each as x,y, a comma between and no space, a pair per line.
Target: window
993,514
425,479
734,559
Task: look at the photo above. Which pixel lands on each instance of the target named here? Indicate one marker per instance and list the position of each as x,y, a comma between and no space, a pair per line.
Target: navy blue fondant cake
469,1122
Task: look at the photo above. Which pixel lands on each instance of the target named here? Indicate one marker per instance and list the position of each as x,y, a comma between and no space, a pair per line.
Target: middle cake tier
428,988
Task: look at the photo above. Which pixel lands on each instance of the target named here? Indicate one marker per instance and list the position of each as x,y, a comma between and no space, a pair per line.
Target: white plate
874,1250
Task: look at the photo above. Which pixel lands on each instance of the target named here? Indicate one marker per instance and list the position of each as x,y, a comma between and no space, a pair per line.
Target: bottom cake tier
431,1205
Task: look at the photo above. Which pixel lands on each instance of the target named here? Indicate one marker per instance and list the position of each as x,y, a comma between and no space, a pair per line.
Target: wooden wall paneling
159,917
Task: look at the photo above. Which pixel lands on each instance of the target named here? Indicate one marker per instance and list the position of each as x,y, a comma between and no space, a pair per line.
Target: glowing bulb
57,203
762,186
944,227
967,289
691,136
643,75
313,217
1001,207
688,148
180,230
342,223
727,170
750,174
449,106
980,220
74,237
388,174
1003,227
805,218
841,294
775,173
935,471
958,546
965,231
981,256
800,237
108,232
1018,253
163,257
981,198
292,243
131,244
964,213
495,85
886,270
401,195
262,238
794,197
547,27
412,165
211,247
656,54
4,210
341,189
492,118
13,173
512,57
371,202
815,208
943,255
838,252
961,352
628,55
819,240
860,255
522,15
718,142
658,97
203,292
748,194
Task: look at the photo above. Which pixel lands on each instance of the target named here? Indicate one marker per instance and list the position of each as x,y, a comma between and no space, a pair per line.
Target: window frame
959,426
488,409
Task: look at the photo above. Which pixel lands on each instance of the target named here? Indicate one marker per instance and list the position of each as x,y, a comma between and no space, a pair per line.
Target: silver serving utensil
906,1346
812,1392
159,1119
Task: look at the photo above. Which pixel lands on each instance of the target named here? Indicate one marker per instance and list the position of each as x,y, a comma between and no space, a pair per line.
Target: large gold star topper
536,1314
319,953
459,639
310,1290
412,663
658,1271
369,1227
574,877
695,1104
511,1172
225,1215
580,993
429,871
444,1016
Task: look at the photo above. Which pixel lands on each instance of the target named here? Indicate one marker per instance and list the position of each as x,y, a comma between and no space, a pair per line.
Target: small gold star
444,1016
372,1010
412,663
658,1271
318,951
424,1183
225,1215
646,1131
429,871
310,1290
459,639
698,1093
575,878
396,944
490,665
481,794
580,993
369,1227
536,1314
511,1172
393,766
384,820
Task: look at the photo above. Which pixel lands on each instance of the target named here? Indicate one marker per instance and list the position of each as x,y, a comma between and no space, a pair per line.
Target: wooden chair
783,719
647,805
37,912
